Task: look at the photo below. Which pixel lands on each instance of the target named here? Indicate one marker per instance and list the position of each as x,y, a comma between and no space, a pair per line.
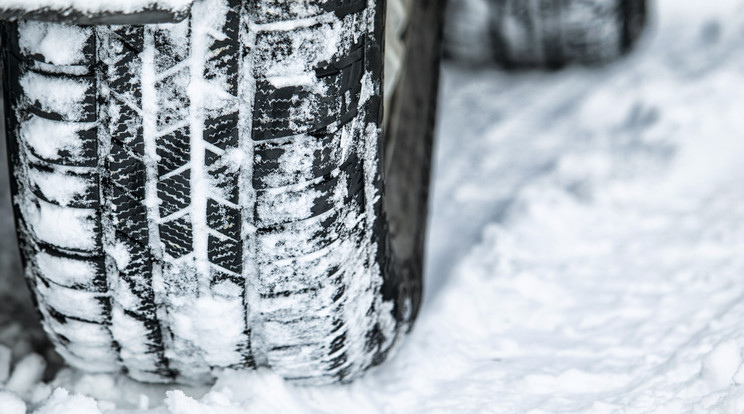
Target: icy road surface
586,250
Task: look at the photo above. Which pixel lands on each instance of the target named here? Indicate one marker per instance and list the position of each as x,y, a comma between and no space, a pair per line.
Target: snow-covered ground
586,251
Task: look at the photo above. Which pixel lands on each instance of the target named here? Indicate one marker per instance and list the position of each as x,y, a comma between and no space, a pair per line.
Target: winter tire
209,194
542,33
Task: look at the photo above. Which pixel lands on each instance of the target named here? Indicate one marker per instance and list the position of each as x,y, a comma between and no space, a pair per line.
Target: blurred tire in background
542,33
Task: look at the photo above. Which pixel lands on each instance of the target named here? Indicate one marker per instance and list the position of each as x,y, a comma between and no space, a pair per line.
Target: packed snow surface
585,252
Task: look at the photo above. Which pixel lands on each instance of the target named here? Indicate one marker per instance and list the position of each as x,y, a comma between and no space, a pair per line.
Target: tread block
134,298
294,240
311,271
222,59
304,158
172,44
70,355
124,71
96,358
343,8
75,229
174,193
174,150
172,99
303,334
283,112
129,212
79,273
60,97
277,206
62,143
299,356
133,291
79,39
223,219
323,298
86,155
135,193
130,36
211,158
176,237
350,69
84,333
127,128
293,110
126,169
222,131
85,306
226,253
225,182
63,187
140,343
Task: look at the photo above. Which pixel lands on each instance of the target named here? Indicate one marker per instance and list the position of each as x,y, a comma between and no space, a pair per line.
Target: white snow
58,44
26,373
11,403
54,94
214,324
87,334
48,138
64,271
61,402
130,333
72,302
58,187
721,364
585,249
120,254
65,227
309,46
